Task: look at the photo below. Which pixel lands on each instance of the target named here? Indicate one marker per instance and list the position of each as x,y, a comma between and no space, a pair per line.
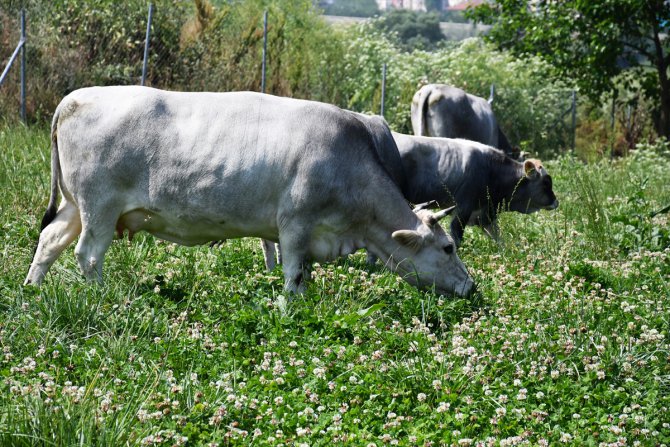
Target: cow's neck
378,239
505,179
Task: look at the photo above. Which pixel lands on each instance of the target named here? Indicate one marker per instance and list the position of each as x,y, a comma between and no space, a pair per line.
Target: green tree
355,8
591,41
415,30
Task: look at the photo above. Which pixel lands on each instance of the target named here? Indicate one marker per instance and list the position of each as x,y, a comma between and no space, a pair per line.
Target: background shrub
217,47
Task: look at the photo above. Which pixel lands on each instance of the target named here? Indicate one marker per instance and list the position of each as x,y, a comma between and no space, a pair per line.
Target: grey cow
480,180
440,110
198,167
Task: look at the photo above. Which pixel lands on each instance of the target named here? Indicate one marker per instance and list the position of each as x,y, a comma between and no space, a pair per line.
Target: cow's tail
52,207
422,107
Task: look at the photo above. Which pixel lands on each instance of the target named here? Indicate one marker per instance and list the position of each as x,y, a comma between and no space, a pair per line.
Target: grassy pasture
567,341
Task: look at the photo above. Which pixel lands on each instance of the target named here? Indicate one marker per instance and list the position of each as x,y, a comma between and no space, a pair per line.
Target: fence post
574,119
146,45
613,123
492,94
23,65
383,89
265,49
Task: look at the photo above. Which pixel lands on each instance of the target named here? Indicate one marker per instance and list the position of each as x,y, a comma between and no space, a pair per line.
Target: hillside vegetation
196,46
566,341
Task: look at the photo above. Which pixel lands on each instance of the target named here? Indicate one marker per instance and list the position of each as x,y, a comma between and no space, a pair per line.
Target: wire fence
151,48
20,49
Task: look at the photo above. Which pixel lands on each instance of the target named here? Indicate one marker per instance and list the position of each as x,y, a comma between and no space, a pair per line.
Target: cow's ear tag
409,238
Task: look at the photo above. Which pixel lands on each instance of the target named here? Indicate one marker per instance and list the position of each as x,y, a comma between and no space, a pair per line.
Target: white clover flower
565,437
442,407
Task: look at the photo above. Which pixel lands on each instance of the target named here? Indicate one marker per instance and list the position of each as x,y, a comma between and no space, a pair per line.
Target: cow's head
427,256
535,190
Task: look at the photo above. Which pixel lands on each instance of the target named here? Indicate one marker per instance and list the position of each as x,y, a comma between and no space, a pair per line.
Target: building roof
465,5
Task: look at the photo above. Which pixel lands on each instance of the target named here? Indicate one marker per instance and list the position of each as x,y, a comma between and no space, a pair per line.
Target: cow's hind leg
96,236
54,238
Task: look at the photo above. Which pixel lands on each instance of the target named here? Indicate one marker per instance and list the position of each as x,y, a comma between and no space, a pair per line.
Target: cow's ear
409,238
530,169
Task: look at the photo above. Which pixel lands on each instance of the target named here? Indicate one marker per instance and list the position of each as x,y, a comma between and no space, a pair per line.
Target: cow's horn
443,213
423,206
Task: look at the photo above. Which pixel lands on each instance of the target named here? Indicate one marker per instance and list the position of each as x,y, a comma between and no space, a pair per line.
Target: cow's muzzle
553,206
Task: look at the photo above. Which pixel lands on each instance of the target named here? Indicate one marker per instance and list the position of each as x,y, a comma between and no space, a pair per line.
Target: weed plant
566,341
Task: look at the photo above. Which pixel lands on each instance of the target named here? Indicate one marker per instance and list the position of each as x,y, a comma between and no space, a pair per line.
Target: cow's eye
449,249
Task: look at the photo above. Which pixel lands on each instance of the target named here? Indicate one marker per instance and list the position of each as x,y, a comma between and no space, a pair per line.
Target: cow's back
237,157
444,111
442,168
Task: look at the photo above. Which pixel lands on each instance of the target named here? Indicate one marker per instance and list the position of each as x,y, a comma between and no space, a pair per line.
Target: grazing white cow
440,110
198,167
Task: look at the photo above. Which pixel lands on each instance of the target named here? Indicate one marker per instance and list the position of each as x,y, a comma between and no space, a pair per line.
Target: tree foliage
217,46
530,107
591,41
413,29
354,8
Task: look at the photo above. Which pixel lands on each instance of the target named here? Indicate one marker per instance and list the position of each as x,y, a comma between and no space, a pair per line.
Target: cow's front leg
458,224
269,254
294,260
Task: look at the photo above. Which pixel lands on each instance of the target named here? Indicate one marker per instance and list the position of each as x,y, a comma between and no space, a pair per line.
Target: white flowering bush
566,342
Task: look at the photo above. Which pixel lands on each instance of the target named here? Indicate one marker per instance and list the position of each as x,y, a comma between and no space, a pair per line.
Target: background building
414,5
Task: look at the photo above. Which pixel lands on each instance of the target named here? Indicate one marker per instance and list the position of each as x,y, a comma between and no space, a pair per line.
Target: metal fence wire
169,45
18,53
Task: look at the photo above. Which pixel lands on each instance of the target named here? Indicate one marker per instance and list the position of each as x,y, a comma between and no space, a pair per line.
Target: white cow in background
198,167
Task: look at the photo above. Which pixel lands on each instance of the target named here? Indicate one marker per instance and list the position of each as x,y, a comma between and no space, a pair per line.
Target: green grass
566,342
